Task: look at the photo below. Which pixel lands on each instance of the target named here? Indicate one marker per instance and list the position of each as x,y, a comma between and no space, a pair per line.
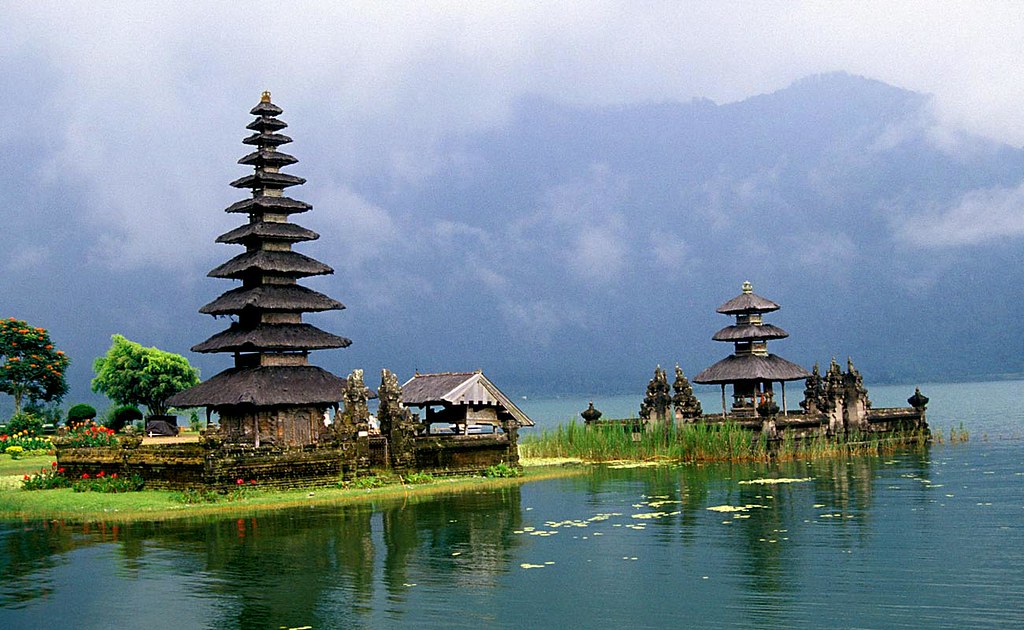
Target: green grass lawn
153,505
12,470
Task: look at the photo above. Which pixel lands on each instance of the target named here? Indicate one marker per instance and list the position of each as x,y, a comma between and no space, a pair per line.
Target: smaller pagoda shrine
272,395
751,370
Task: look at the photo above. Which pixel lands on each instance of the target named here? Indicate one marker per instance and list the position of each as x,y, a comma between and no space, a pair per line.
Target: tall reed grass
702,443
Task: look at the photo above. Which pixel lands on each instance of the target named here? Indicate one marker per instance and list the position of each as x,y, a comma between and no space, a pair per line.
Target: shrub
80,413
31,445
87,434
130,374
47,478
101,482
122,416
195,496
50,413
503,470
25,423
418,477
15,451
371,481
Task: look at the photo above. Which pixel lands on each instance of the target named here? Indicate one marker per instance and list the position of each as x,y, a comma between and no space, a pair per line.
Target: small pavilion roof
459,388
750,332
264,386
751,367
747,302
271,337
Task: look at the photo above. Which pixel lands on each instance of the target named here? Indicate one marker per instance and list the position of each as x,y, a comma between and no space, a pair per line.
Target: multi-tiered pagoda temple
272,395
751,370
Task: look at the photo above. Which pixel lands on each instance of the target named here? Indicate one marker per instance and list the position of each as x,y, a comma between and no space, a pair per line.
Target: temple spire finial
265,97
747,287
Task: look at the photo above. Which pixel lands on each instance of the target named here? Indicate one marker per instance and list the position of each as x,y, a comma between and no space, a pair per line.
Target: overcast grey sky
112,94
122,124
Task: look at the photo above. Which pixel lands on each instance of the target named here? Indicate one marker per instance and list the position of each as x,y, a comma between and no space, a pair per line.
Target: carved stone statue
686,405
918,400
657,402
397,423
814,393
352,426
590,414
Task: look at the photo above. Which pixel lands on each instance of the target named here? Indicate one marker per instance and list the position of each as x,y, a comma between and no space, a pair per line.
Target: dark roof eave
735,368
265,386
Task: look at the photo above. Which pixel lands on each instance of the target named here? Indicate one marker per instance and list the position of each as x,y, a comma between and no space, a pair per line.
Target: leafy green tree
31,369
130,374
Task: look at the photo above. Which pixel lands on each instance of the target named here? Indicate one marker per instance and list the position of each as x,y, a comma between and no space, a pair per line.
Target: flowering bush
30,367
25,423
47,478
102,482
88,434
14,451
30,445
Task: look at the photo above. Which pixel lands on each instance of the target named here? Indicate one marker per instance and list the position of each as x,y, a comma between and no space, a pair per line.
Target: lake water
925,539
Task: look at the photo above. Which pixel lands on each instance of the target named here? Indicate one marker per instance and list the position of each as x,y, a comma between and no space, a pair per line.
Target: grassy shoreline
162,505
564,451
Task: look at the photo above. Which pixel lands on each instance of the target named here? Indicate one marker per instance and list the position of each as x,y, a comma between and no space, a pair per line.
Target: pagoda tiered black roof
266,157
286,263
271,297
750,332
265,386
267,231
270,337
268,139
751,367
270,341
750,360
266,108
264,203
268,179
747,302
266,123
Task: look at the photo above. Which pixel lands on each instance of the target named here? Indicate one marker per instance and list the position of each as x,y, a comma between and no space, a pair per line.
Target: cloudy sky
122,121
112,94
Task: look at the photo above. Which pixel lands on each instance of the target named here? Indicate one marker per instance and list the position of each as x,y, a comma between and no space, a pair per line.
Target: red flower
54,464
239,481
60,470
26,477
99,474
85,475
252,481
114,476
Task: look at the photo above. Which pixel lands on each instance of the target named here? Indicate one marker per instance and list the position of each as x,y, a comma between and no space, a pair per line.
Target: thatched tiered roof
269,340
747,302
265,386
751,360
751,367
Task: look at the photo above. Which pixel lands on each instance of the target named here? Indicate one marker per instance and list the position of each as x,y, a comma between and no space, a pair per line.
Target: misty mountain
573,248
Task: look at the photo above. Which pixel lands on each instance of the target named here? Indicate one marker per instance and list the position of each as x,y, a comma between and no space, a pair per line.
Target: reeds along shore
705,443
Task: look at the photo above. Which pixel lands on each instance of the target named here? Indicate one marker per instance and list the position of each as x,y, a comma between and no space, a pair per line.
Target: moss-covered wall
176,466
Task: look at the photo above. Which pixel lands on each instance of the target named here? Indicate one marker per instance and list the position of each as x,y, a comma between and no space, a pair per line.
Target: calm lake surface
924,539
